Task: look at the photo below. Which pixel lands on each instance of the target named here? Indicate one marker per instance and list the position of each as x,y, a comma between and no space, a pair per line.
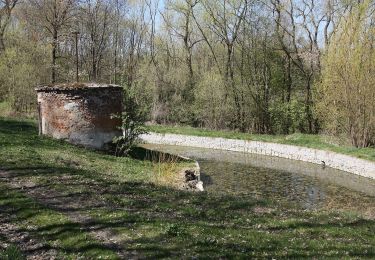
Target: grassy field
73,203
321,142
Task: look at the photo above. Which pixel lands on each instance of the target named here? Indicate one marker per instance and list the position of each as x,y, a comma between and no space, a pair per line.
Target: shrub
133,119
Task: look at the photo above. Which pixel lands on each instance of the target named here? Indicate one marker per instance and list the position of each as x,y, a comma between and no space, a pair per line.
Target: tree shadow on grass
200,223
155,222
15,127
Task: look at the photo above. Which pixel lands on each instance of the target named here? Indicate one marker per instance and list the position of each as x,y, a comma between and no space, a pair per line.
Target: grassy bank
66,198
321,142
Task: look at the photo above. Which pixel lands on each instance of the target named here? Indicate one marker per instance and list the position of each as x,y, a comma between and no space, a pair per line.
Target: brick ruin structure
81,113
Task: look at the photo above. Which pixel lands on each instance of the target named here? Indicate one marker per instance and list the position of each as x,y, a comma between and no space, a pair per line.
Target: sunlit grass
166,171
154,221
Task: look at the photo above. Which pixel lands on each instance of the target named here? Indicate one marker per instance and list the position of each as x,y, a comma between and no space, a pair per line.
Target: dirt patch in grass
69,204
33,248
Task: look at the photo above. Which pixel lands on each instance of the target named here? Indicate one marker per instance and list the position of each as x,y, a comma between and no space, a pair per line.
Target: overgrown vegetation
167,170
116,197
133,120
347,93
266,67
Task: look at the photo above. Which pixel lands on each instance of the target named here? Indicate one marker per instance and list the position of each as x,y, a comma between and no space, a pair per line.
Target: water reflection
308,185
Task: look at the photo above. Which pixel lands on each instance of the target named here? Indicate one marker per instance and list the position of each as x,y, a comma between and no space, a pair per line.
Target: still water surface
305,185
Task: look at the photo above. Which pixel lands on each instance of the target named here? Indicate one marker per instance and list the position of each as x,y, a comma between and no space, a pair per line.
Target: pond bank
325,158
188,177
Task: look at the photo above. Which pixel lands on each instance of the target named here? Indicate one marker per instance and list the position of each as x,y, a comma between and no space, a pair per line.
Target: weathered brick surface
80,115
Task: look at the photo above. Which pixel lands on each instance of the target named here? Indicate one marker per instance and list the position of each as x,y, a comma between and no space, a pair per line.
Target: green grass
12,252
21,145
321,142
47,225
153,221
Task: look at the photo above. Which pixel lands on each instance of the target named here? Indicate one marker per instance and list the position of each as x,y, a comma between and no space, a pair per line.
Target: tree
54,17
299,26
182,27
6,8
346,93
23,65
134,37
224,21
96,31
243,65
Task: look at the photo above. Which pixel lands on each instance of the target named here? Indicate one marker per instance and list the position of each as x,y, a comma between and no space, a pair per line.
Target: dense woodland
259,66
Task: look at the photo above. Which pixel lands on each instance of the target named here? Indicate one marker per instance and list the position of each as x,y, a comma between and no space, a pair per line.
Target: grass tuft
165,170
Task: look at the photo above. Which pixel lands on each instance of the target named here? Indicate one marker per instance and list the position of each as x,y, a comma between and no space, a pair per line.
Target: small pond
305,185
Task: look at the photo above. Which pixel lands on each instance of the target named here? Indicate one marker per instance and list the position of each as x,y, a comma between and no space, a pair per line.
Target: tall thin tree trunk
2,45
54,56
308,102
93,69
288,122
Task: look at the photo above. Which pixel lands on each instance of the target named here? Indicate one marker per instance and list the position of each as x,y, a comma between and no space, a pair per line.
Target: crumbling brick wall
80,114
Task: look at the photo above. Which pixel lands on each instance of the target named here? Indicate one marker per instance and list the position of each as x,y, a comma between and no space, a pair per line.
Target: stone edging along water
330,159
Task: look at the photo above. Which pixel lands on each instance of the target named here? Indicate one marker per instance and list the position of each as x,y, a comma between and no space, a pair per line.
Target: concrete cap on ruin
74,86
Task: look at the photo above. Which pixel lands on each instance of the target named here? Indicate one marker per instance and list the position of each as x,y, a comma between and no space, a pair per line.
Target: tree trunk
190,83
230,84
115,60
93,69
2,45
189,61
54,56
308,101
288,122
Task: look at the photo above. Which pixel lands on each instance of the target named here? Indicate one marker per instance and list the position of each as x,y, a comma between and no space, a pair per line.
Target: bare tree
182,27
119,16
133,39
96,24
6,8
153,7
299,25
54,17
255,68
226,18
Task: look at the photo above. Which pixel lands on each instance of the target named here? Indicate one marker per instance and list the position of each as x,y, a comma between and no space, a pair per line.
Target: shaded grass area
321,142
53,228
152,221
12,252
